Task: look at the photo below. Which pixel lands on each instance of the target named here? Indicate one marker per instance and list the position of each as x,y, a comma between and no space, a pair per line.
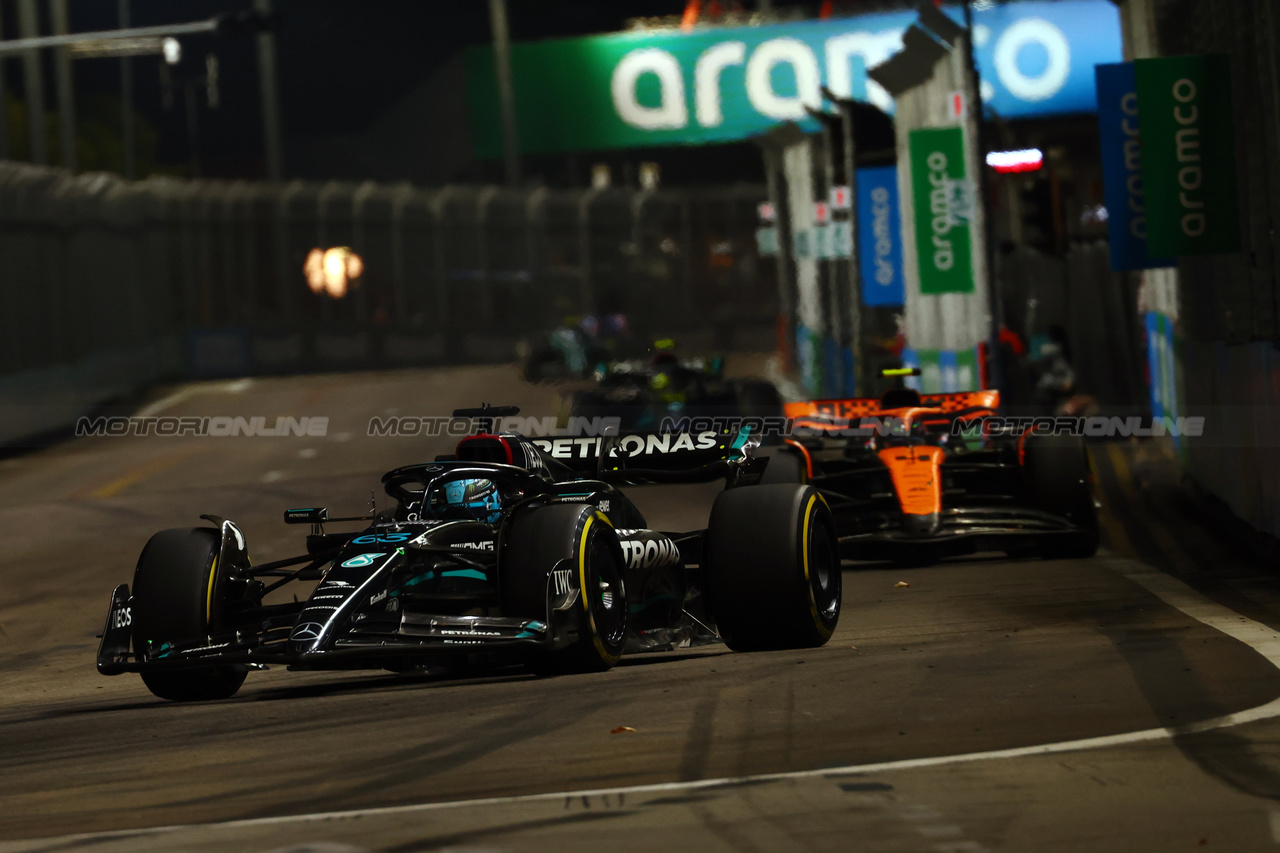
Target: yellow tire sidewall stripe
804,551
208,606
605,655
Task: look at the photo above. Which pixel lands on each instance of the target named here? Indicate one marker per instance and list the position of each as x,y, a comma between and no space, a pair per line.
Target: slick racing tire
1057,471
544,365
757,398
586,405
179,593
579,538
784,466
773,568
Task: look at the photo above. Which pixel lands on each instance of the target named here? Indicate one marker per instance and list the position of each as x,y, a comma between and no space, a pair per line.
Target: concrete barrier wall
106,285
1237,389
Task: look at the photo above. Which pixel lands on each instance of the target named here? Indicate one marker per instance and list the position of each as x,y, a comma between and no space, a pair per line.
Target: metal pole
5,152
270,93
861,366
786,290
33,81
66,93
506,93
973,96
126,103
829,286
193,126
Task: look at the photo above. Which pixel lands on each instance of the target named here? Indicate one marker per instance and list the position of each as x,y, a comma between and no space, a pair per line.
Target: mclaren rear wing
962,405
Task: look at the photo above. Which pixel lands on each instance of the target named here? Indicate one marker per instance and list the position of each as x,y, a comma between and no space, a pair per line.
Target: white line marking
1275,825
165,403
1265,641
168,402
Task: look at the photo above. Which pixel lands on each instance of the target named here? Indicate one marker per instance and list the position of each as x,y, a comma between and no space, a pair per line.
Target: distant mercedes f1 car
510,550
906,486
644,393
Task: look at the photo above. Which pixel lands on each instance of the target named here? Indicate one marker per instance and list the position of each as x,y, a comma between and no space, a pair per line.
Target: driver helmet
476,499
664,354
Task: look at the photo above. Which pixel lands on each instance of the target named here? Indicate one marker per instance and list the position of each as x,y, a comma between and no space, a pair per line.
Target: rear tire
580,537
758,398
785,466
179,590
586,405
773,568
1060,481
544,365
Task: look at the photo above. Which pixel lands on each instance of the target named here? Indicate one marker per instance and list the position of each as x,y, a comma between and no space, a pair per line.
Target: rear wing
653,457
961,405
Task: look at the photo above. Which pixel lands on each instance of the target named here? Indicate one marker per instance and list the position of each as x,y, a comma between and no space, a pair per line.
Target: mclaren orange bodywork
916,477
981,402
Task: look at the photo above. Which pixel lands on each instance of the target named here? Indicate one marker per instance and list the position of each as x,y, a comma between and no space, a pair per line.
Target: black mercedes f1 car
511,550
646,394
905,484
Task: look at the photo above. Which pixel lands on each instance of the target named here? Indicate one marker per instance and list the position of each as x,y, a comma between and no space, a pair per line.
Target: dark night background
357,93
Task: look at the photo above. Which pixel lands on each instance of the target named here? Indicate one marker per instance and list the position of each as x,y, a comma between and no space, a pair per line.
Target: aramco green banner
942,196
710,85
1188,155
662,87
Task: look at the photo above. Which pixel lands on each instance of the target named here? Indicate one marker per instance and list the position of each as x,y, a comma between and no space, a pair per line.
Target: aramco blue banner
1122,168
719,84
880,236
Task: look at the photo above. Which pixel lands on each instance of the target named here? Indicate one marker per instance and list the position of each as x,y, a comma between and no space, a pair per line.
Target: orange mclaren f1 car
916,478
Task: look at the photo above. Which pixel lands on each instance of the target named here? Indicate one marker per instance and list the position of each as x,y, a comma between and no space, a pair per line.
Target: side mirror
312,515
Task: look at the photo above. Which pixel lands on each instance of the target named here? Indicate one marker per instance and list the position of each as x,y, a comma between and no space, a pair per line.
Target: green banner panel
637,90
942,197
1188,155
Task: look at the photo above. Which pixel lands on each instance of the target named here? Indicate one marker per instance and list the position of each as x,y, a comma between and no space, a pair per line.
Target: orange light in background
333,271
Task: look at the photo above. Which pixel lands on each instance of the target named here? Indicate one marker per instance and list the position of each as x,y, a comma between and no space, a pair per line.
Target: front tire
179,594
773,568
581,538
1060,482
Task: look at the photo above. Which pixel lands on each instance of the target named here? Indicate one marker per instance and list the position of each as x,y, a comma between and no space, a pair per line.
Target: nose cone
305,637
921,526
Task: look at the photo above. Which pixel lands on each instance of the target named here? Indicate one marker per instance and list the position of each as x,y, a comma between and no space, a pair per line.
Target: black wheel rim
824,572
607,599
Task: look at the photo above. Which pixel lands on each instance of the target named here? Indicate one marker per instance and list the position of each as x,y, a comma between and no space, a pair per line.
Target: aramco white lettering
1187,141
808,62
884,240
1133,165
940,206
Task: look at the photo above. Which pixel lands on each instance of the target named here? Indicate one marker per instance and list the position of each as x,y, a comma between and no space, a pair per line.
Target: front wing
367,641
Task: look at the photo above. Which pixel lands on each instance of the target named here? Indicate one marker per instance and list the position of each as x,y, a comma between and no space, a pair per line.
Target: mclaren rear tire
1061,483
579,538
179,594
773,568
